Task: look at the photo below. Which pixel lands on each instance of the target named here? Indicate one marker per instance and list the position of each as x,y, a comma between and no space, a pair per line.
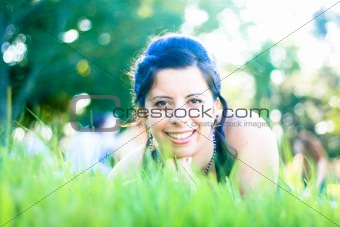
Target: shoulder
248,130
128,140
256,150
129,167
253,140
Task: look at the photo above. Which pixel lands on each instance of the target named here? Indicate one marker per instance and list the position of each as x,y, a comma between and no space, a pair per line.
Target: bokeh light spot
83,67
69,36
104,39
84,25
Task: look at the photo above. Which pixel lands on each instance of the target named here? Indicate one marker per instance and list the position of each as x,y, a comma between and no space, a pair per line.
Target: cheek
205,129
157,125
205,121
206,114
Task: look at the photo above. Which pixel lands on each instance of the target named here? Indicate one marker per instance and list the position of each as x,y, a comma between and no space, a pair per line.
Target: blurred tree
261,68
311,102
52,50
306,100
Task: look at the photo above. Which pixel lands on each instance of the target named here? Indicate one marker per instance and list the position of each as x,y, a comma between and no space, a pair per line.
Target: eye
162,104
195,101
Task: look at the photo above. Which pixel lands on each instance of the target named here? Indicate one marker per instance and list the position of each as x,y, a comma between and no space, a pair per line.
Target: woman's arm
321,171
321,162
257,163
129,168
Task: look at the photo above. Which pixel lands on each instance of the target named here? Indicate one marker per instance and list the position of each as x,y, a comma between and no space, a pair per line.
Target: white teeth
180,136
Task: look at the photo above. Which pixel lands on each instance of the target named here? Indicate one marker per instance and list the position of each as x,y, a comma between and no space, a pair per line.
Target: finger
182,162
190,161
171,164
184,165
185,161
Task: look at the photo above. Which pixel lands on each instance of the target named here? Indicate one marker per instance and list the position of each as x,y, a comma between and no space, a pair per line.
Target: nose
180,116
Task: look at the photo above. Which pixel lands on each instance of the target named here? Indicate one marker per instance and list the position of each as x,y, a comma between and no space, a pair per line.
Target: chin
181,153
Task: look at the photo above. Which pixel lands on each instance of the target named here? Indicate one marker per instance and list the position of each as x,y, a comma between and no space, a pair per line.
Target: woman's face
190,132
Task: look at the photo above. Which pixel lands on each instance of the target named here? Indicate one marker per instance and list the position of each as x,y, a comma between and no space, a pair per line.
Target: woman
177,85
311,156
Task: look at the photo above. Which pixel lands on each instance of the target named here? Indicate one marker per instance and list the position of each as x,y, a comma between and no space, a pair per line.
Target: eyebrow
161,96
195,94
168,97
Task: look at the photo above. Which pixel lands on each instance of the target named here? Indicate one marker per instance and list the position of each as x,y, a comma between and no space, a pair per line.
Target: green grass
36,192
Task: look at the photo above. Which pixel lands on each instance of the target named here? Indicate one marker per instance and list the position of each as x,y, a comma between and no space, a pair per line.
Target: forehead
173,82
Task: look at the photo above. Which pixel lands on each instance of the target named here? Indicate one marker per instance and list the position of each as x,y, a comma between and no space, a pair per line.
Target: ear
141,112
141,116
144,121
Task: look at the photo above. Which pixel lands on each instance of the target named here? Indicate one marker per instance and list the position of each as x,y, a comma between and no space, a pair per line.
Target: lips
181,137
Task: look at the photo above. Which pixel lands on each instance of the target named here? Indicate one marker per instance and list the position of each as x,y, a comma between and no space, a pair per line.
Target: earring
150,145
214,140
153,150
216,123
213,128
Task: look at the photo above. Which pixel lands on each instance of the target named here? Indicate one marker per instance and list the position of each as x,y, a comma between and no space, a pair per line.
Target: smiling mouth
180,136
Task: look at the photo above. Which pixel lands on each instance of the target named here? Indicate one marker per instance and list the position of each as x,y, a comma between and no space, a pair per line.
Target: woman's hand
182,169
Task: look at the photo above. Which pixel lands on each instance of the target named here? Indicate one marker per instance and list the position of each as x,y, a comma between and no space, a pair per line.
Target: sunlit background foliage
54,50
267,54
